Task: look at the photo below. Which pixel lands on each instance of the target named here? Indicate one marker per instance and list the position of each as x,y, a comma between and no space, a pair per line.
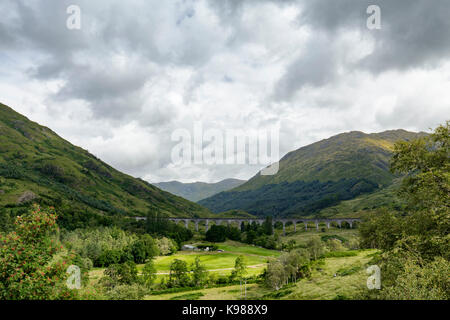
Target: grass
221,293
359,206
301,236
188,296
237,247
220,263
212,261
33,158
338,278
340,254
324,285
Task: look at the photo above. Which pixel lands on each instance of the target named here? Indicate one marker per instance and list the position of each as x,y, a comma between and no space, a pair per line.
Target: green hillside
318,176
234,214
198,190
38,165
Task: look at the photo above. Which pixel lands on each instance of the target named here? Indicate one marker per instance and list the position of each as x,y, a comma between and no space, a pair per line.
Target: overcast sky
138,70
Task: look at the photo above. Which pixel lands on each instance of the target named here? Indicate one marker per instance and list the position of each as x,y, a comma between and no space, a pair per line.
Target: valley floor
337,278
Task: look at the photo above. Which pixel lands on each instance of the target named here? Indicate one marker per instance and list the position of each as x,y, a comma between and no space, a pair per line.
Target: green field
221,263
302,237
323,284
338,278
237,247
212,261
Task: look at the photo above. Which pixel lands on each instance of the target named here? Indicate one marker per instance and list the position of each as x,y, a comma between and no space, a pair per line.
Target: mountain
198,190
234,214
38,165
318,176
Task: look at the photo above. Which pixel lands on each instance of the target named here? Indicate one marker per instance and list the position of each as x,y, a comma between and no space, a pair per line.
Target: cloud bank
138,70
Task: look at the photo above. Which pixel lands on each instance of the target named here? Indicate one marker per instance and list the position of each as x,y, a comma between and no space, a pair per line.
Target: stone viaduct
239,221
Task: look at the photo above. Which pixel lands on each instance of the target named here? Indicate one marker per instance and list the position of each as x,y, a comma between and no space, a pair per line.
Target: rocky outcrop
27,196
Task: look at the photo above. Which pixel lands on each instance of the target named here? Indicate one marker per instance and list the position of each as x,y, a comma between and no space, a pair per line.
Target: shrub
118,274
178,274
27,266
127,292
340,254
188,296
216,234
166,246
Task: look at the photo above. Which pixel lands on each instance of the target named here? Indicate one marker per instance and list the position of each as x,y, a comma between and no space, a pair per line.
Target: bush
127,292
333,236
216,234
340,254
348,271
166,246
335,245
27,266
420,282
179,276
188,296
119,274
108,257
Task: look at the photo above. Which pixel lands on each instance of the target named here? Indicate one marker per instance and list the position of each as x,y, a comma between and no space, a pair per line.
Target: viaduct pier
284,221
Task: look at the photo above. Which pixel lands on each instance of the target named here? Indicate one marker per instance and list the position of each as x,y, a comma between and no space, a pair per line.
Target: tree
233,233
426,190
118,274
335,245
199,273
293,263
157,223
178,276
267,226
216,234
139,251
429,281
426,161
109,257
315,247
416,242
250,236
148,274
240,270
143,249
275,275
166,246
291,245
289,267
28,269
134,291
380,229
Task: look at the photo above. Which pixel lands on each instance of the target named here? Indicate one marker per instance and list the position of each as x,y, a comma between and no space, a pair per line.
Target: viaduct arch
284,221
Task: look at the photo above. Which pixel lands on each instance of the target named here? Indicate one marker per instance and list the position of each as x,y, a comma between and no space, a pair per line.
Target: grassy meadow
336,278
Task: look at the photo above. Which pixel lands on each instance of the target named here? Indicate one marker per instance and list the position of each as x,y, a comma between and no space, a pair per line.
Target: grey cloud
412,114
315,66
153,33
166,42
413,33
